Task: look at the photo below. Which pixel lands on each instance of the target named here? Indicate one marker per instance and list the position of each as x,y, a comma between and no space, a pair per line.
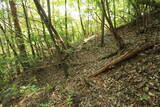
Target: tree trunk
12,48
49,10
2,47
11,43
18,33
50,51
5,27
102,29
80,16
58,42
28,27
114,13
66,25
119,40
123,57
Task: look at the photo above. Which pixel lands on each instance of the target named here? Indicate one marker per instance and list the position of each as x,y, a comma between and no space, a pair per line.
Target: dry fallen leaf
151,94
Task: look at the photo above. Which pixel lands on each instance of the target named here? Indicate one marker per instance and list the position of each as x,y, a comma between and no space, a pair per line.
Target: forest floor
132,83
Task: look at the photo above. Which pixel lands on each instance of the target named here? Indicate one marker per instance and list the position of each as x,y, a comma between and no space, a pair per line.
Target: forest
79,53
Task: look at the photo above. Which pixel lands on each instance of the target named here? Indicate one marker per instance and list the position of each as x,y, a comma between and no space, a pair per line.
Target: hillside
134,82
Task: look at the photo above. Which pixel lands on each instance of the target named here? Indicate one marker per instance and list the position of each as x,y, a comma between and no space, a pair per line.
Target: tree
80,17
102,28
66,25
106,9
28,27
49,10
18,33
58,42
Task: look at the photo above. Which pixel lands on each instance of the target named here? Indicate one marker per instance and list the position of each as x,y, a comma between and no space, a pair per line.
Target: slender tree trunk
12,48
88,16
50,51
28,27
58,42
102,28
73,32
18,33
40,44
53,33
79,10
11,43
114,12
66,27
49,10
37,49
33,32
2,47
3,15
119,40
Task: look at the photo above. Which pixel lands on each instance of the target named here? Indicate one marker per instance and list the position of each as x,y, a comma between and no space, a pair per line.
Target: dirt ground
132,83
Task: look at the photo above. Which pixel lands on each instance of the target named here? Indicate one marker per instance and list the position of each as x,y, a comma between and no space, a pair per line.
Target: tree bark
123,57
18,33
59,43
119,40
66,23
80,17
102,28
49,10
28,27
8,42
53,33
2,47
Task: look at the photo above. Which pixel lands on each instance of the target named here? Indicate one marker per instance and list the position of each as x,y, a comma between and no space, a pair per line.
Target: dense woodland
79,53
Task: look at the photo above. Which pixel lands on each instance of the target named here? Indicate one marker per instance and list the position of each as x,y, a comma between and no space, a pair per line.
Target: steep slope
132,83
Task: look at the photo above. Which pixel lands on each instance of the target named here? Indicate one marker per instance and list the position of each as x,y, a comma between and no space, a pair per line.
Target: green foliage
7,66
12,91
28,89
44,105
33,60
70,98
70,50
50,87
91,12
144,98
15,91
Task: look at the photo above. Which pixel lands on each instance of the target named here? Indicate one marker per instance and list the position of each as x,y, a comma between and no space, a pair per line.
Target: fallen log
123,57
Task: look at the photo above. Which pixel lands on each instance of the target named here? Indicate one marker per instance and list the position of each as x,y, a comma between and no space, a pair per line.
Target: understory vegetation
79,53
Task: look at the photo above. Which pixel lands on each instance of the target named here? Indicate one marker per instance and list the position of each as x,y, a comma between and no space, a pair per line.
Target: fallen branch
123,57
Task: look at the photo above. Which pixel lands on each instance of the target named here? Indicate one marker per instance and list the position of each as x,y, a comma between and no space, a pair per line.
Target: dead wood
123,57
